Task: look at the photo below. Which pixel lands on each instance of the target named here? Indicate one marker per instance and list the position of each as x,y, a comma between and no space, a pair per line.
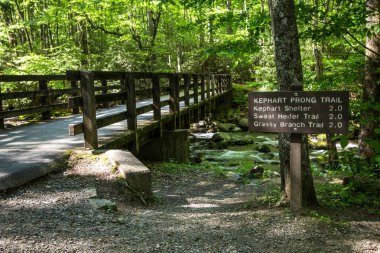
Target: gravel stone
195,211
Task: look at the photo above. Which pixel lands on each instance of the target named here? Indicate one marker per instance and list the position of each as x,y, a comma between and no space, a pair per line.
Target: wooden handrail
86,90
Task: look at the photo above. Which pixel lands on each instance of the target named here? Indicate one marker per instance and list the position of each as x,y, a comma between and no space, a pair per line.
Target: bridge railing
196,92
31,94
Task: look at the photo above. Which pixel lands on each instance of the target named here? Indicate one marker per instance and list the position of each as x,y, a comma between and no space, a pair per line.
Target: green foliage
353,183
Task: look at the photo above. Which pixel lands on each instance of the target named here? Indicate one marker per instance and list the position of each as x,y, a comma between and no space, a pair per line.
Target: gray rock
226,127
263,148
256,172
243,122
103,204
266,156
236,130
240,142
221,136
234,176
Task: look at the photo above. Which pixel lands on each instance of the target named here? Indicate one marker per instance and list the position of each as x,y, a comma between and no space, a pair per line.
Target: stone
221,136
103,204
226,127
223,144
266,156
196,157
136,174
256,172
241,142
263,148
243,122
236,130
234,176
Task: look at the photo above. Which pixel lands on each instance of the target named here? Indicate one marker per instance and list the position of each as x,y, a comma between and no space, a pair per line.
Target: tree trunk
84,44
230,14
289,72
371,90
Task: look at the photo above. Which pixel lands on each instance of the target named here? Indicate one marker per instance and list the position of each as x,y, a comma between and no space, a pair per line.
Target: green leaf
377,158
343,141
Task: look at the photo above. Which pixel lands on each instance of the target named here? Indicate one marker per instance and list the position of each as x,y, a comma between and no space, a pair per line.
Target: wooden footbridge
110,109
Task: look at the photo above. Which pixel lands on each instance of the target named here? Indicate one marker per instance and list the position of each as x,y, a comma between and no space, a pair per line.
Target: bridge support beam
172,146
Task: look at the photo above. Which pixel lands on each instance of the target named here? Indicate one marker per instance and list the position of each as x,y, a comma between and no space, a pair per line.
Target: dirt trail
195,211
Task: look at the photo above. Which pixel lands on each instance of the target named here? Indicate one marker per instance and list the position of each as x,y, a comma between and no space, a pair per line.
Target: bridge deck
28,152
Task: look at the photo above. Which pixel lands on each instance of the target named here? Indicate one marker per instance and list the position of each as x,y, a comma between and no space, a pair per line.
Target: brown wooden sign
299,111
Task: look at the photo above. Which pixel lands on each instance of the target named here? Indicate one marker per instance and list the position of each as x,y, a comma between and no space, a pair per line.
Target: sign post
296,167
298,112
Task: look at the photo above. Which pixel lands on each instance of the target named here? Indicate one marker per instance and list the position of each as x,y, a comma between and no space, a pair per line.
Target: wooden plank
109,87
164,102
104,91
38,93
27,78
73,75
89,110
295,173
77,127
177,101
99,99
31,110
44,100
2,126
172,97
156,95
203,97
108,75
131,112
195,90
144,109
75,92
208,95
186,80
195,97
146,93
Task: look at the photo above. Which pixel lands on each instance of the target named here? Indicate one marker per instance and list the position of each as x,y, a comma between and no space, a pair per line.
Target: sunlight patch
367,246
207,205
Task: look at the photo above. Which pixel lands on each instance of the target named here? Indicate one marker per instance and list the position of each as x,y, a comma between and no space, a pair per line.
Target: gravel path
195,211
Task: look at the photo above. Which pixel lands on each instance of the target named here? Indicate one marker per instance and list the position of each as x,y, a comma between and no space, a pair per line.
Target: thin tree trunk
371,90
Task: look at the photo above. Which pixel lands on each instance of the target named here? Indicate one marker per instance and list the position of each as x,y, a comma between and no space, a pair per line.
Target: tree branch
97,27
360,43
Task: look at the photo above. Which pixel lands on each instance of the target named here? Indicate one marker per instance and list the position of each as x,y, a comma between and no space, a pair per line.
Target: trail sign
299,111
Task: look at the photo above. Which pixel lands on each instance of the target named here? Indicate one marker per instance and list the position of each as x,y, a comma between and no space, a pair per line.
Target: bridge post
196,111
1,108
208,95
131,112
104,92
74,85
203,114
213,102
186,117
173,100
177,101
123,88
156,95
90,130
44,100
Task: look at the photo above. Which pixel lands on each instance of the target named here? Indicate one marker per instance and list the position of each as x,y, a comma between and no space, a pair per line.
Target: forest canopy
50,36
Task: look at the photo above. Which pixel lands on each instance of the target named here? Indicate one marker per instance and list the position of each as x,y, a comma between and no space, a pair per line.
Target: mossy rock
226,127
263,148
